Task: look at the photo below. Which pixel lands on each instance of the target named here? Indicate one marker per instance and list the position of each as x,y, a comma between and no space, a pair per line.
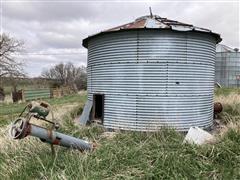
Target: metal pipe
22,128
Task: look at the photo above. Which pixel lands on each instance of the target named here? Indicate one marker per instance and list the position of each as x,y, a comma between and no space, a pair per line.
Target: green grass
9,111
129,155
67,99
226,91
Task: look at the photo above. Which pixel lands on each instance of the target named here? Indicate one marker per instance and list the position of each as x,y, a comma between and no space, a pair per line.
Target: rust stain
155,22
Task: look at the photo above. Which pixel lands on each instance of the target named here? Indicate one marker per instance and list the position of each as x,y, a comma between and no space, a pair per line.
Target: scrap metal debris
198,136
22,127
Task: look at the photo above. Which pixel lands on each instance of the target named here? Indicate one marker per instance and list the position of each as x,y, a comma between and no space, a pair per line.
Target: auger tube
21,128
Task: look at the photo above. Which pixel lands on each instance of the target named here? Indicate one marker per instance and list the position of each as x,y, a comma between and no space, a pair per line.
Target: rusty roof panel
155,22
133,25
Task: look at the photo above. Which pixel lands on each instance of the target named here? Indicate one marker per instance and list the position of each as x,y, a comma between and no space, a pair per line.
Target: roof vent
150,9
236,49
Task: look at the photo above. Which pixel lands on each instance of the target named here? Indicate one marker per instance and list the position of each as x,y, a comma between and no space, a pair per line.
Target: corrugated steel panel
31,94
86,112
153,78
227,71
155,22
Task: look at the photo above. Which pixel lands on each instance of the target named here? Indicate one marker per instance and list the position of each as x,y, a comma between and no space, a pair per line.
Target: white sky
53,30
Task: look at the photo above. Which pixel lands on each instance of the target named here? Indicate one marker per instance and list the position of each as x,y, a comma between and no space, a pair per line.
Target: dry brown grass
230,117
59,112
231,99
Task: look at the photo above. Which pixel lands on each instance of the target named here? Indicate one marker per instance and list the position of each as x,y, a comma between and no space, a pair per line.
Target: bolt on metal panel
227,71
152,79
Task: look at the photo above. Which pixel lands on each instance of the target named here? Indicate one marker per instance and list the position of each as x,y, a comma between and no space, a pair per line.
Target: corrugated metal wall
227,69
153,78
32,94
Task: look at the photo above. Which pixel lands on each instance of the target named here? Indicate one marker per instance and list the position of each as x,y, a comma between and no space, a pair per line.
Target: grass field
226,91
9,111
128,155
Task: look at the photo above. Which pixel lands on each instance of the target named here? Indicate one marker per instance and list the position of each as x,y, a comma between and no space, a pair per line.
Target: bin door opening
98,108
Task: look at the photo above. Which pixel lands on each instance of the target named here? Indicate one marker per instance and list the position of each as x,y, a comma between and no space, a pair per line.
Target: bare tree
57,73
66,74
9,66
81,80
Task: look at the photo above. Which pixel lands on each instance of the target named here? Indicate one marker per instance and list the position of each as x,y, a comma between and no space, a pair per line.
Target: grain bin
227,67
151,73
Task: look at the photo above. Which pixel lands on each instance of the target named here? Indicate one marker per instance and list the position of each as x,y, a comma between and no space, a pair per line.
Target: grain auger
22,128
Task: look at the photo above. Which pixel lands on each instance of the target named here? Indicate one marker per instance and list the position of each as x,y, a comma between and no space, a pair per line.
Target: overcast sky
53,30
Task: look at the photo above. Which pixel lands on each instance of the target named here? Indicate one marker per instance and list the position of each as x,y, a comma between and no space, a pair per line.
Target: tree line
67,75
63,74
